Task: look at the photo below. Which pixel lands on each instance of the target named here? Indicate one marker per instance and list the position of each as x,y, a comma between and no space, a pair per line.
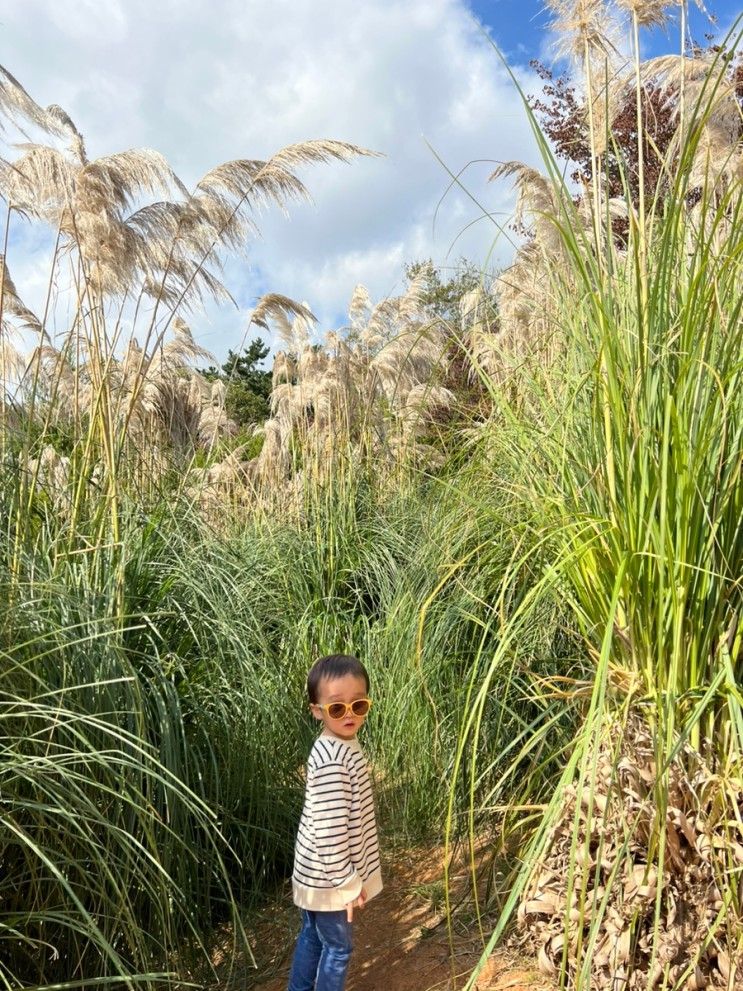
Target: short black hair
334,666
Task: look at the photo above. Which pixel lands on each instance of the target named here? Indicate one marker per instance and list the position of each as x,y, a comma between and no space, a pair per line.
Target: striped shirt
337,851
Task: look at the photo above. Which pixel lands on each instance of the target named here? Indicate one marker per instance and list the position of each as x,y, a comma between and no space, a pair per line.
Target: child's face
347,688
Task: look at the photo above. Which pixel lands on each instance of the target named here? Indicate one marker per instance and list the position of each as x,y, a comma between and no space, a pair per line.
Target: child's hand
360,901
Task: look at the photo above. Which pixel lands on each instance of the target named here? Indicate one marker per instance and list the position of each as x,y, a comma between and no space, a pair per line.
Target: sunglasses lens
337,710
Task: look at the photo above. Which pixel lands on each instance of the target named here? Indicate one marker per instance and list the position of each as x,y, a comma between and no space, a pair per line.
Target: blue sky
204,83
520,26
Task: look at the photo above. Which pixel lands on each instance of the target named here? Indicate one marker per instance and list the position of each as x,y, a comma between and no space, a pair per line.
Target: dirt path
400,941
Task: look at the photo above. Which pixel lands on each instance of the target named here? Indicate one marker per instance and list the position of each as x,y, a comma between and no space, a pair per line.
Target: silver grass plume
537,206
51,472
13,367
647,13
359,307
477,315
581,27
284,369
710,95
421,402
274,306
524,290
13,363
12,305
295,334
19,108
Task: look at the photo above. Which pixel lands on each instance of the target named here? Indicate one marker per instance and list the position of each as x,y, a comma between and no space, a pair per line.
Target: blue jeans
322,952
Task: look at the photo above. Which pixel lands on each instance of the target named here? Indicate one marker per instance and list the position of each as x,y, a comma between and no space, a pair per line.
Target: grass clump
627,433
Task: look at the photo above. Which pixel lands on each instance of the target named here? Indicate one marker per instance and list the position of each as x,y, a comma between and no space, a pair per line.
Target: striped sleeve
330,794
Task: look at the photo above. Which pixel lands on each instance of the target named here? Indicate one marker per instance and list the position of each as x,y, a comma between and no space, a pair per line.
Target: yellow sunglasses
339,710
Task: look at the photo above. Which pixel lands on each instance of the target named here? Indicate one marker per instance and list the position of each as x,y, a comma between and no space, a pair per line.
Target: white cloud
205,83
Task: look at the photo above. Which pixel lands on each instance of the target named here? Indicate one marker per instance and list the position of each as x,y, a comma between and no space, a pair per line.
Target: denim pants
322,952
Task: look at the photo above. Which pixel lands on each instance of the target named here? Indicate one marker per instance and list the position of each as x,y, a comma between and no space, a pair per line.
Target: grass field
545,583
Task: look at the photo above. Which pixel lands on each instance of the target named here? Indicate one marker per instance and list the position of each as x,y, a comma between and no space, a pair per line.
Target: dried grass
618,825
373,387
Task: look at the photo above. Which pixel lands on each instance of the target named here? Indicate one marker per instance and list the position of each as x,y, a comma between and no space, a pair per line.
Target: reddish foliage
565,122
564,119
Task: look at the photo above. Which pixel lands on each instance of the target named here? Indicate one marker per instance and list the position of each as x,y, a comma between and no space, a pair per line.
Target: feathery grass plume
12,305
579,25
19,108
284,369
52,471
13,362
274,306
527,293
588,31
57,390
295,333
226,484
610,86
176,401
151,393
647,13
360,307
159,249
711,101
13,367
90,203
537,204
480,327
422,402
244,184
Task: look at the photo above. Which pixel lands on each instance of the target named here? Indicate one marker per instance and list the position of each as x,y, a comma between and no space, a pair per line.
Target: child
336,856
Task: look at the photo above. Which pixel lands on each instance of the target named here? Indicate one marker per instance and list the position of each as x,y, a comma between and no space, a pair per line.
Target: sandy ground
400,941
